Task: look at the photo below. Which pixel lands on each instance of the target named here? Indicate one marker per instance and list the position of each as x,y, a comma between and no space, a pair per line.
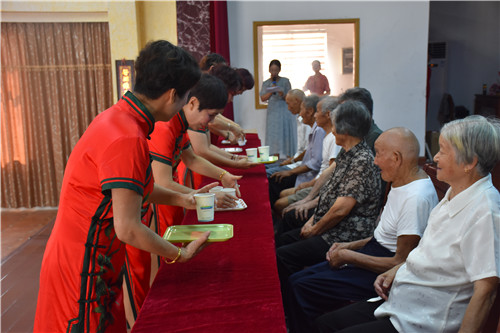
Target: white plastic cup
205,203
215,189
252,154
229,190
264,153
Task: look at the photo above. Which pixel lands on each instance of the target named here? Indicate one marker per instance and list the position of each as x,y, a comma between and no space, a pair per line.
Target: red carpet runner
229,287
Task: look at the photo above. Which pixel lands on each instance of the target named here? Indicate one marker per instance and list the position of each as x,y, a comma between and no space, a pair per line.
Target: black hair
210,60
358,94
275,62
246,78
229,76
162,66
210,92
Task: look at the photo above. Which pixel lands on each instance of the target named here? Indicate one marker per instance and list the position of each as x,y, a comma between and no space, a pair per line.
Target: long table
231,286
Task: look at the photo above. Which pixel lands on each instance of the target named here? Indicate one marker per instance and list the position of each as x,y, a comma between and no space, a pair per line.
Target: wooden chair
441,187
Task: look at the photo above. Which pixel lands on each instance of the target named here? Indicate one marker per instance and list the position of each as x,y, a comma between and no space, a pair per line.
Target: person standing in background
281,125
317,83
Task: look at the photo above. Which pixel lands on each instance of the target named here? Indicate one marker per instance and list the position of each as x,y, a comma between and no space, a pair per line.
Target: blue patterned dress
281,127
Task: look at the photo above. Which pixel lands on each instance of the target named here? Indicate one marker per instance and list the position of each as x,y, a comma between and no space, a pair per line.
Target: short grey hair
351,118
297,93
311,101
475,136
329,103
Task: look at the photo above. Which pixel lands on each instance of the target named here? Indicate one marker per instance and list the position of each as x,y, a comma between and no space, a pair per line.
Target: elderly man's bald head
403,140
397,151
294,99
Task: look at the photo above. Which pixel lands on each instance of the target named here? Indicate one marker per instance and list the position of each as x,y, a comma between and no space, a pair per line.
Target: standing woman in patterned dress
107,188
281,126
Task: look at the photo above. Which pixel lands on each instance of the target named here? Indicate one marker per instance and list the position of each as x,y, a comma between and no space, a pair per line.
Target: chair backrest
441,187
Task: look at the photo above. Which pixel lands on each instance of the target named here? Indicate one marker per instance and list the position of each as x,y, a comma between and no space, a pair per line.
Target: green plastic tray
189,233
272,159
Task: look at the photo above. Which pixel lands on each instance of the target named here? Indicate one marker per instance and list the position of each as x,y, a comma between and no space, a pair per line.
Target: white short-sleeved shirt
330,150
460,245
406,212
303,132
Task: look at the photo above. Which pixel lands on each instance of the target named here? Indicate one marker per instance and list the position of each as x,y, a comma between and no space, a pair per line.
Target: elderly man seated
294,99
329,153
311,163
351,268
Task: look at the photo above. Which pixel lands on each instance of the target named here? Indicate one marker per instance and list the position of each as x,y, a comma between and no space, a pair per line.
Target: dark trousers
274,167
355,318
295,253
321,288
289,222
276,187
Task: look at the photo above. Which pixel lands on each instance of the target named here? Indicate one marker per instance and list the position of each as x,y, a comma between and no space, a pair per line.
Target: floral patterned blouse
355,176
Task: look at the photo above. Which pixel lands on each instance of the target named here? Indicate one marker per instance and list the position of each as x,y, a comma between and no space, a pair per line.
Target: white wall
339,36
472,31
393,54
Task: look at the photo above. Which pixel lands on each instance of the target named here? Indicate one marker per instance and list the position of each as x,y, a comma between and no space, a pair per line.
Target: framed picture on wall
347,60
124,76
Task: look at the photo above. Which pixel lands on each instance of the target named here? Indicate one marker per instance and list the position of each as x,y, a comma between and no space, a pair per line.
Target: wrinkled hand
292,206
287,161
307,230
299,187
383,282
338,246
281,174
193,248
225,200
302,209
337,257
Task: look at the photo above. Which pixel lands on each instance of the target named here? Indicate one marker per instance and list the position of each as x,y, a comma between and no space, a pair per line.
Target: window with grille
296,50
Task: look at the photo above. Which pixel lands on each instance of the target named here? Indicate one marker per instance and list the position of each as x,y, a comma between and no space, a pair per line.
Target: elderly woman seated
348,202
449,280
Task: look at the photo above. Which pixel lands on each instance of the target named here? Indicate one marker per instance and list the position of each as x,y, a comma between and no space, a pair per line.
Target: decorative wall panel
193,27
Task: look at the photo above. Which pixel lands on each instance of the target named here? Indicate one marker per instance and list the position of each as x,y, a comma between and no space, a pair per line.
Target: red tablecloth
229,287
